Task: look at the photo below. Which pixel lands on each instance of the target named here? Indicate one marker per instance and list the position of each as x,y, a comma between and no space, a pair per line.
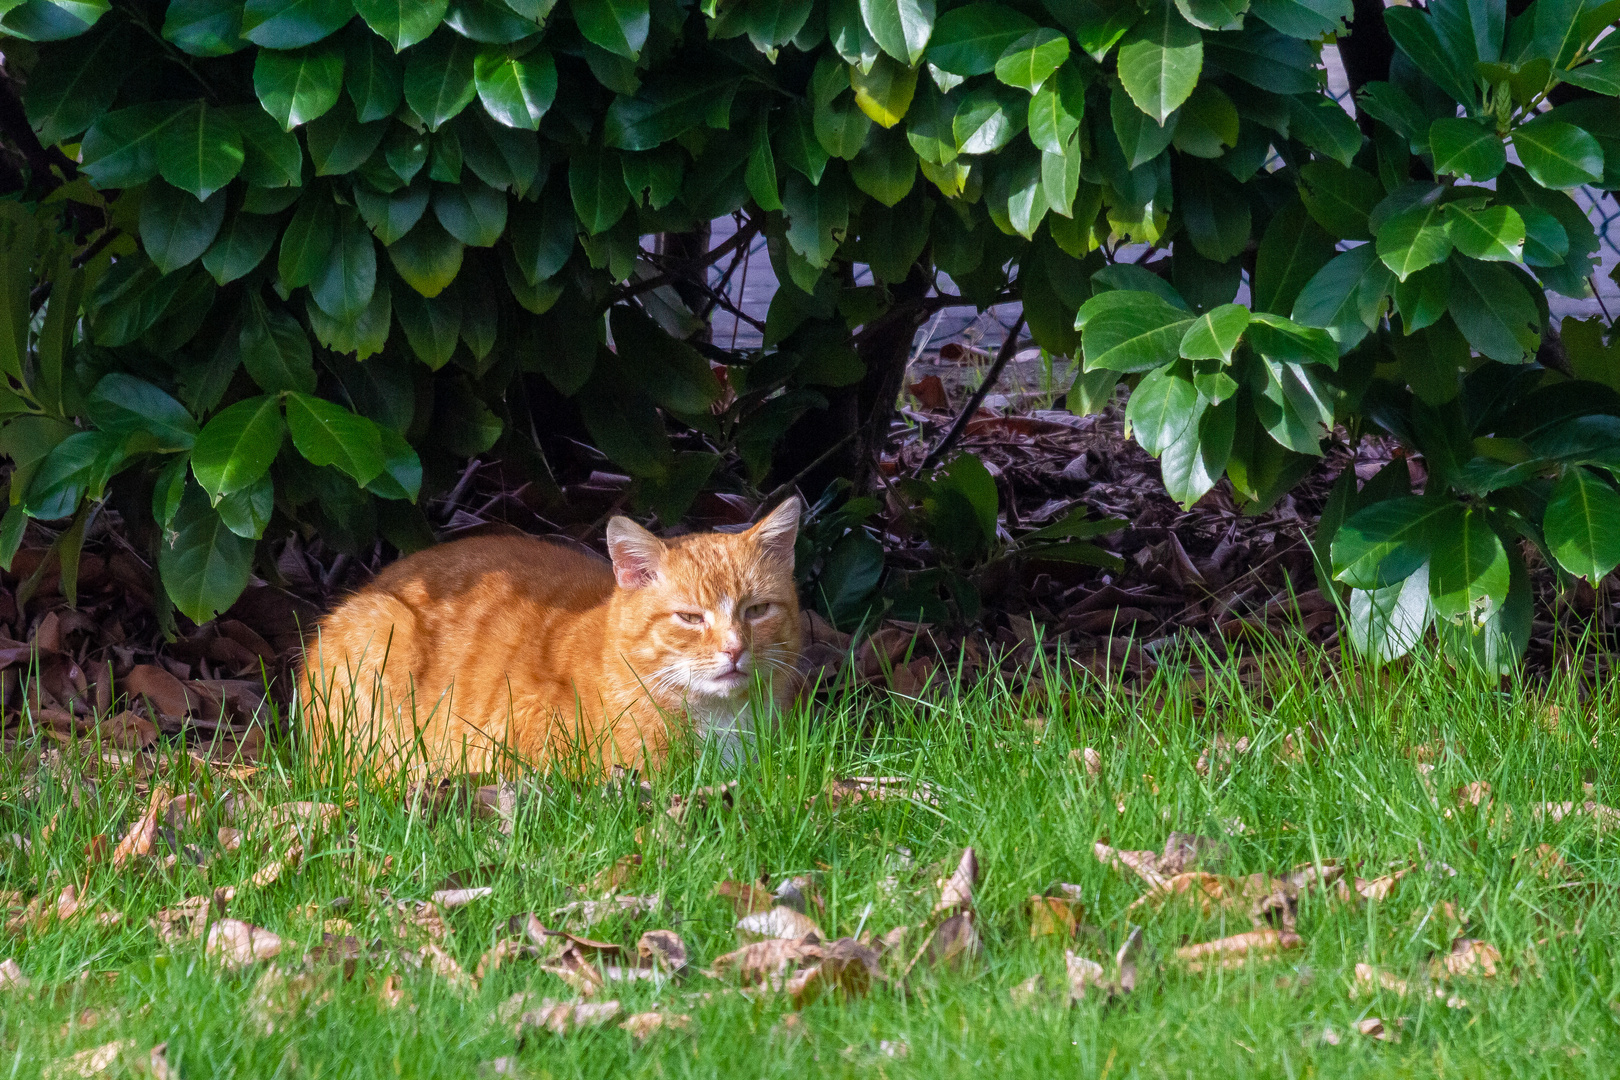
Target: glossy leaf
237,445
1032,59
1386,542
275,349
596,182
402,23
345,282
1126,330
290,24
1160,59
328,434
1494,233
968,40
123,405
295,87
203,564
307,240
1468,568
1304,18
1558,155
901,28
175,228
393,215
1413,239
120,149
68,94
1583,524
516,90
439,78
240,247
1493,311
373,77
427,257
1468,148
619,26
1214,334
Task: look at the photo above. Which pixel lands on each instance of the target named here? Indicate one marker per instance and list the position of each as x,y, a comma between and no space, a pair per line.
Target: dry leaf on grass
1083,974
1239,947
11,976
502,952
302,822
755,963
644,1024
581,915
956,891
445,967
560,1018
229,839
1375,1028
857,789
846,970
157,1063
390,992
137,843
1057,913
188,918
662,949
93,1062
615,877
779,922
1267,901
449,899
1468,956
237,944
799,893
1089,759
1601,816
746,897
1028,994
952,943
1220,754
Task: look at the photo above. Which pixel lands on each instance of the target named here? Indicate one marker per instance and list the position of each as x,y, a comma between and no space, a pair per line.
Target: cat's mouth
729,682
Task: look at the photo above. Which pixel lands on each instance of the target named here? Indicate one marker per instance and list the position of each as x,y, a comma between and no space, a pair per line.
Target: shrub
289,262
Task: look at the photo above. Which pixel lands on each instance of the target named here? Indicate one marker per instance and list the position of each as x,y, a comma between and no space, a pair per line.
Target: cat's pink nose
732,651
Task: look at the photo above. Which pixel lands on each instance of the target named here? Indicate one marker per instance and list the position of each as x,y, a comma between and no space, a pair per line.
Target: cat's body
466,656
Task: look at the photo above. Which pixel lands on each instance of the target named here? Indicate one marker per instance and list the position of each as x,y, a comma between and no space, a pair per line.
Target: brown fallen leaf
956,891
615,877
445,967
1265,942
1028,994
92,1062
1468,957
1380,888
188,918
662,949
1144,864
847,970
1264,899
1369,980
137,843
578,971
560,1018
502,952
229,839
757,962
581,915
644,1024
1220,754
1090,760
1083,974
857,789
236,943
1602,817
779,922
157,1063
11,976
953,942
391,992
1375,1028
1058,913
449,899
745,896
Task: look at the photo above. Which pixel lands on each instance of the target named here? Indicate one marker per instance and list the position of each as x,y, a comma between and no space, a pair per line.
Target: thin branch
714,255
1008,349
788,486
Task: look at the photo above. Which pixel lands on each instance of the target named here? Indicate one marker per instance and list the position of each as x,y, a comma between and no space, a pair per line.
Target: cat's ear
777,530
635,552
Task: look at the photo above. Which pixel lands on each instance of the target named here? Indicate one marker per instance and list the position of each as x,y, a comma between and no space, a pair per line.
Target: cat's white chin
729,686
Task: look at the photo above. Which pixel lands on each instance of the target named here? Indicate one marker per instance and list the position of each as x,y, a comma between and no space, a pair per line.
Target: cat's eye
755,611
690,618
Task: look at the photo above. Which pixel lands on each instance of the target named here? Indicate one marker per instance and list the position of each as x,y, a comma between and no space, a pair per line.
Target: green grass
1018,797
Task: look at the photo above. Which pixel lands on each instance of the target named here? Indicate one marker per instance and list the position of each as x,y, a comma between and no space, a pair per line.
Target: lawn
1485,953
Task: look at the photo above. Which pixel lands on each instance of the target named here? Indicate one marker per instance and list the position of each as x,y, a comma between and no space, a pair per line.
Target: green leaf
427,257
1304,18
1463,147
1215,211
307,241
1495,233
619,26
296,87
543,234
78,84
328,434
1214,14
1339,197
1214,334
345,283
247,512
886,167
1346,297
761,174
848,578
290,24
204,566
120,149
969,40
432,327
79,461
168,490
1583,524
1194,463
1558,155
391,216
236,447
271,157
841,127
1159,60
1422,298
1322,125
1128,330
1264,58
175,228
1284,340
596,182
663,109
402,23
1292,250
1015,195
1207,125
1387,542
472,212
1602,78
51,20
488,21
670,371
987,120
1386,624
1030,61
123,405
275,349
373,78
1294,406
797,146
884,92
1414,34
1468,568
516,90
817,217
1141,138
204,27
401,477
901,28
1414,238
439,78
339,143
1494,311
240,247
1163,409
1056,110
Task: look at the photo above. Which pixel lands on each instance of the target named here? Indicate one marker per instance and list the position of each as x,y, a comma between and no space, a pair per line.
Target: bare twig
1008,349
741,237
787,486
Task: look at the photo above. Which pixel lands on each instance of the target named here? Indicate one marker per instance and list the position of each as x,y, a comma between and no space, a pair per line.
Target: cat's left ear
635,552
777,530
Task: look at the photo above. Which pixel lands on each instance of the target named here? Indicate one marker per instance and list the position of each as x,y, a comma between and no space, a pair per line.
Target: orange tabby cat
460,654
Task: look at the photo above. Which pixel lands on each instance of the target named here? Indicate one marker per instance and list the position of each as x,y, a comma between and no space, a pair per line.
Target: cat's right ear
635,552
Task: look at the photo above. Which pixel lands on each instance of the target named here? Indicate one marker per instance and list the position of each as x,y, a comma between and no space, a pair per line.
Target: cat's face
712,611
